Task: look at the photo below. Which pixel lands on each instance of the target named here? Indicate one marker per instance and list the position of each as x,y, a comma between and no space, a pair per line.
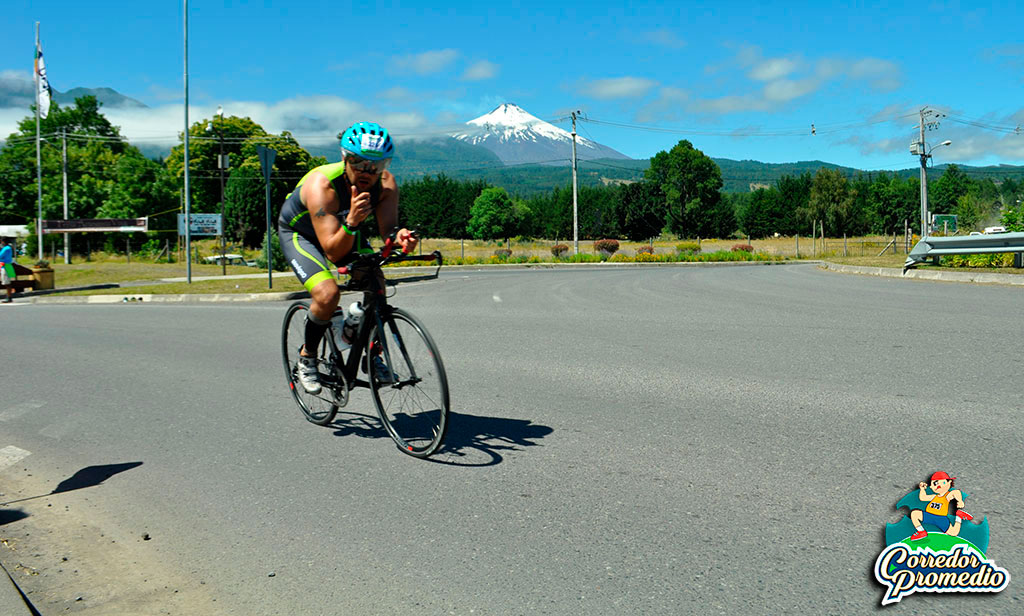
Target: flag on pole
42,84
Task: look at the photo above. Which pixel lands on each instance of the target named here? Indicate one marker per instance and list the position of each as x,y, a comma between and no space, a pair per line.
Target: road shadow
472,440
11,515
85,478
93,476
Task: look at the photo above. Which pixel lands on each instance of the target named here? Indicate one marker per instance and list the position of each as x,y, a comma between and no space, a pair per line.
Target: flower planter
43,276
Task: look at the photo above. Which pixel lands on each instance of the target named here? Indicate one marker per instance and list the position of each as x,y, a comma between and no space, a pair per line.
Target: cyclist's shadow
472,440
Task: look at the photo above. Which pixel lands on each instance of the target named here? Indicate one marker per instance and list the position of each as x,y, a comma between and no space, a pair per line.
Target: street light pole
221,165
925,153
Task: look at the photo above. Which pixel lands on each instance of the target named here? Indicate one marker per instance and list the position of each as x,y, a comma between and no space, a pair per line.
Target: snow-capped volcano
516,136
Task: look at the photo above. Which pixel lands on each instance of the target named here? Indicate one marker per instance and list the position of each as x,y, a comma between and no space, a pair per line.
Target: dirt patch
67,560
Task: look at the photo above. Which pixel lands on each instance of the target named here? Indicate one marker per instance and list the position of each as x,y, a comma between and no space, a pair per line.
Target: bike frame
372,283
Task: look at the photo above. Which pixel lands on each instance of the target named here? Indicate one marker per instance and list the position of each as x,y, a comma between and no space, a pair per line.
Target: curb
888,272
12,598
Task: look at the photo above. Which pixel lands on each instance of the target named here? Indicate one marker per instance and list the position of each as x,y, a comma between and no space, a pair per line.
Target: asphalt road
629,441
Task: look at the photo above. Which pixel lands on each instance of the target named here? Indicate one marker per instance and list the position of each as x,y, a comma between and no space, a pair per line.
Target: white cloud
784,90
668,106
480,70
397,93
619,87
789,78
314,119
881,74
664,38
426,63
773,68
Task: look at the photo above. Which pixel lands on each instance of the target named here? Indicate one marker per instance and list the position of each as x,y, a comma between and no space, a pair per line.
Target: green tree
640,211
894,202
107,177
493,215
691,183
438,207
794,196
830,201
245,209
760,216
943,196
203,149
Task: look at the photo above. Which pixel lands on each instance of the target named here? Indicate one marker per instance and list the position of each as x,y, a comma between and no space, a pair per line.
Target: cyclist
320,225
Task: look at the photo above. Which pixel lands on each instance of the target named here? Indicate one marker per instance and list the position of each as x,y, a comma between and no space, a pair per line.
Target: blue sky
740,80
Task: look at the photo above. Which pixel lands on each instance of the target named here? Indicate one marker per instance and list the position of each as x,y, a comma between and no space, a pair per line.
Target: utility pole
575,216
39,155
188,200
924,178
222,163
64,166
921,150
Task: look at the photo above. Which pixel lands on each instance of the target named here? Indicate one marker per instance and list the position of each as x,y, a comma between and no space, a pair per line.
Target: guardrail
933,247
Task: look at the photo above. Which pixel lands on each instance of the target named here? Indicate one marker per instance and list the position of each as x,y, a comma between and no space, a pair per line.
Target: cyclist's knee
326,294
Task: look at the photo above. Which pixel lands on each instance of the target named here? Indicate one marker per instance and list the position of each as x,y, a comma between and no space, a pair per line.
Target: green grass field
142,275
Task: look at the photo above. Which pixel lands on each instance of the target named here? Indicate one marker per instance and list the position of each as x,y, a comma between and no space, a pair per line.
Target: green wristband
346,229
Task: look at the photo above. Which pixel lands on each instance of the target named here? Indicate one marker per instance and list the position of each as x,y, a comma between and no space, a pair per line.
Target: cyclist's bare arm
387,214
323,202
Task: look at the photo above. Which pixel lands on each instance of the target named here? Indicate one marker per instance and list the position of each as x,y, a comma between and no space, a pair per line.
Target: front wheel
408,382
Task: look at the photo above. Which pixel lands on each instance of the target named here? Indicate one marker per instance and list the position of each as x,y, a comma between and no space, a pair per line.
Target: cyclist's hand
407,240
360,207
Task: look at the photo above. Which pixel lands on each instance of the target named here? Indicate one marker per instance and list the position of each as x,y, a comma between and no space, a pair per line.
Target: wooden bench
26,281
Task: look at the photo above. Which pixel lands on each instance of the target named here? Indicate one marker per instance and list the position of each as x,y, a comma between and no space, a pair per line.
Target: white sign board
202,224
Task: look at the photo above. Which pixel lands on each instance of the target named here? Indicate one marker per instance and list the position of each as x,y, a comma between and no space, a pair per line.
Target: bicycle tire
414,406
319,409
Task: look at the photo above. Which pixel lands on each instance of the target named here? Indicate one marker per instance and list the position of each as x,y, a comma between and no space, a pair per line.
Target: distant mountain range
19,93
509,147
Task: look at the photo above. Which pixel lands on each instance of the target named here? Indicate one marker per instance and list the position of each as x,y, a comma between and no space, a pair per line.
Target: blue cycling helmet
368,140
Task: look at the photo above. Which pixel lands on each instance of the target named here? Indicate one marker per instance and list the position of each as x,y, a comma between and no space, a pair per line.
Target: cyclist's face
363,173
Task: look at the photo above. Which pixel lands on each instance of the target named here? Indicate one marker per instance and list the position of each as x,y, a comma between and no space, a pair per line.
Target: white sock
919,528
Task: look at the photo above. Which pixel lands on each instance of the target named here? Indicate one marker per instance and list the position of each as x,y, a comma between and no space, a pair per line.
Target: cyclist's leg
311,267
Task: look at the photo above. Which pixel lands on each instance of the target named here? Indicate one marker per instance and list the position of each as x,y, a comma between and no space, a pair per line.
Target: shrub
620,258
559,249
979,260
277,260
688,247
646,257
503,253
582,257
644,250
742,248
608,247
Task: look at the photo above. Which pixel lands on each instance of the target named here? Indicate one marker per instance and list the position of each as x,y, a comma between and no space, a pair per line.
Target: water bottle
354,316
338,329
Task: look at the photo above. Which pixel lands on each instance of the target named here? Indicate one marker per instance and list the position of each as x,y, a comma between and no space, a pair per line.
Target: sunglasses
374,167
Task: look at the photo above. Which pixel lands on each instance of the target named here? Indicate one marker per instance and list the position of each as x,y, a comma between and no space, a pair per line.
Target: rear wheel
408,382
318,408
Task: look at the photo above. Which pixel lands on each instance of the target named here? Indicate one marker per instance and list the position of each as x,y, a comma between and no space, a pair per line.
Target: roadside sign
81,225
267,156
201,224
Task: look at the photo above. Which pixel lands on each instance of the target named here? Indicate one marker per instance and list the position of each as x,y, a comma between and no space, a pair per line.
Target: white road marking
20,409
11,455
496,298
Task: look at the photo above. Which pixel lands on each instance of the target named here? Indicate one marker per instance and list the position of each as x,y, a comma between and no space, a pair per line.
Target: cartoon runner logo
938,549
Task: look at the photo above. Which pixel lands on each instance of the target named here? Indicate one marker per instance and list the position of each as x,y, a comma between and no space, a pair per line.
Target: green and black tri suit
298,238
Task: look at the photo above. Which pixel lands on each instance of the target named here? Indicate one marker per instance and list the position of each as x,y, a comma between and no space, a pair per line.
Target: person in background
7,274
